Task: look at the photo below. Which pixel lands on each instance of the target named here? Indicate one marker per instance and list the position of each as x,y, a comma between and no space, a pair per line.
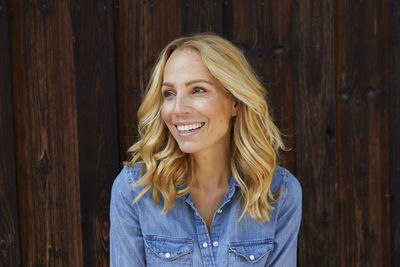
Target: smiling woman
196,108
202,187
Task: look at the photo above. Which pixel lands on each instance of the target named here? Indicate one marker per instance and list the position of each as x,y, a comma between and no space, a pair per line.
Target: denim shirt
141,235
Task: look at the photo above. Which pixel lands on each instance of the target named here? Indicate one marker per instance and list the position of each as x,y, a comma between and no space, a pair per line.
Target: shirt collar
229,194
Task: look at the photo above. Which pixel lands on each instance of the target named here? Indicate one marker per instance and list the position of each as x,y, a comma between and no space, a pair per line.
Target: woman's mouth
188,128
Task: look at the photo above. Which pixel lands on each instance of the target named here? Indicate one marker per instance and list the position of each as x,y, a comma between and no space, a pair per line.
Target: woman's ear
235,108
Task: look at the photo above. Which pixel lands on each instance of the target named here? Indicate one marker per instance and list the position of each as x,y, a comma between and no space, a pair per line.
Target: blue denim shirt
140,235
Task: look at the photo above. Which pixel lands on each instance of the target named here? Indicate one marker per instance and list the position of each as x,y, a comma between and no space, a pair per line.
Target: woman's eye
198,90
167,93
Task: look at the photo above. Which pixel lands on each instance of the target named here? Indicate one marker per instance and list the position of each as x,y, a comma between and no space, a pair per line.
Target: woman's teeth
189,127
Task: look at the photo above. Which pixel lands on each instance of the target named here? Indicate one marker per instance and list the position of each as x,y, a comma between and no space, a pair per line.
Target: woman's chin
187,149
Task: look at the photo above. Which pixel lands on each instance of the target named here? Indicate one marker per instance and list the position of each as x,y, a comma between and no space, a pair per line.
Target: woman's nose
182,105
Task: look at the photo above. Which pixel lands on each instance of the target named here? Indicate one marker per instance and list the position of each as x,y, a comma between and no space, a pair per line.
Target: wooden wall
72,74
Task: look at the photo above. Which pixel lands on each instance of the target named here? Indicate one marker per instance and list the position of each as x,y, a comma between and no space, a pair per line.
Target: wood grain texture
262,29
201,16
73,76
315,131
362,80
97,122
142,29
9,232
46,140
395,127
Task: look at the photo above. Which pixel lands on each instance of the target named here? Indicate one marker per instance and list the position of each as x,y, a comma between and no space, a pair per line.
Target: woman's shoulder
286,183
126,179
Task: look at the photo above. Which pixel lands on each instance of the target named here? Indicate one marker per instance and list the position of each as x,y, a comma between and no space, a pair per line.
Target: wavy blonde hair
255,138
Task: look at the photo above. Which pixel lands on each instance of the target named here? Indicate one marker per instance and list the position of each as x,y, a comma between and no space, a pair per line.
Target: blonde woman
202,187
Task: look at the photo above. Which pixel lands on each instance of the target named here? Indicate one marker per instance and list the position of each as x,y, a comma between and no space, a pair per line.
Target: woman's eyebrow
187,83
167,84
197,81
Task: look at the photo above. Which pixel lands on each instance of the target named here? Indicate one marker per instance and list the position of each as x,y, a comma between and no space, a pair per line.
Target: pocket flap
252,251
168,248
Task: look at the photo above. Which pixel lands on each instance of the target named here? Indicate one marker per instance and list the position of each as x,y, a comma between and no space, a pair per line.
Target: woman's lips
188,128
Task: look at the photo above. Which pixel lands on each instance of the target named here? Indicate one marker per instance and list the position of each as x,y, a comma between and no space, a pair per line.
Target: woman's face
195,108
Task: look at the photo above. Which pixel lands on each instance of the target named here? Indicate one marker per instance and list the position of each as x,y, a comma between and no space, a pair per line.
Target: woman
202,187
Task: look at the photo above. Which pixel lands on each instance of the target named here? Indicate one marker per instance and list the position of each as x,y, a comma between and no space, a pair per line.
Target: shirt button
215,243
220,211
167,255
251,257
205,245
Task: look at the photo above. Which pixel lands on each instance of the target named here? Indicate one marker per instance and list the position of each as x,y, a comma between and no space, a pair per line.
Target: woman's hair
255,139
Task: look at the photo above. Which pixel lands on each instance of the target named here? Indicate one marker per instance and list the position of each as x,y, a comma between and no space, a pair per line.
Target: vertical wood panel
201,16
315,131
142,29
362,79
395,127
263,30
93,31
46,141
9,233
71,94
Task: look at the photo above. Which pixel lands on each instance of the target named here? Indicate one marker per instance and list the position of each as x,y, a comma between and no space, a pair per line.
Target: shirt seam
128,174
285,189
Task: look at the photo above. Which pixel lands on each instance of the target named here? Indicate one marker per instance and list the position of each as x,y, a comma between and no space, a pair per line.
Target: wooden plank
201,16
315,131
45,127
9,232
142,29
362,80
263,31
395,127
97,122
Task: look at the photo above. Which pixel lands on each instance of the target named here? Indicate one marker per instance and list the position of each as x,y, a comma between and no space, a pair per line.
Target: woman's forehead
185,63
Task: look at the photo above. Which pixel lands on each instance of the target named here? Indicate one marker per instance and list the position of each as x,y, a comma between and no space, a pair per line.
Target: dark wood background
72,74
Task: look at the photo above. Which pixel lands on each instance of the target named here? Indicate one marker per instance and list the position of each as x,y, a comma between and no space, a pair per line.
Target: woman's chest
181,238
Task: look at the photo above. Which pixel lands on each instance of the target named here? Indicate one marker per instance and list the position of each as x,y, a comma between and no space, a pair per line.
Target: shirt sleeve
126,240
288,223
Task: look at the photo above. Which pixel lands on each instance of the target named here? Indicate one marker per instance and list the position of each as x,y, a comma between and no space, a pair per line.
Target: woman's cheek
164,113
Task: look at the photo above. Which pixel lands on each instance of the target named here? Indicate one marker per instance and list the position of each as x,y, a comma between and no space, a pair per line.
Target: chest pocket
168,251
250,253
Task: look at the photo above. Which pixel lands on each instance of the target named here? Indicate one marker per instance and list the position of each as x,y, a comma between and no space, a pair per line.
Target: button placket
203,235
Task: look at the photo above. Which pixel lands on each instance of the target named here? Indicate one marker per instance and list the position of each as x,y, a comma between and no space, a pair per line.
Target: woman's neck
212,170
